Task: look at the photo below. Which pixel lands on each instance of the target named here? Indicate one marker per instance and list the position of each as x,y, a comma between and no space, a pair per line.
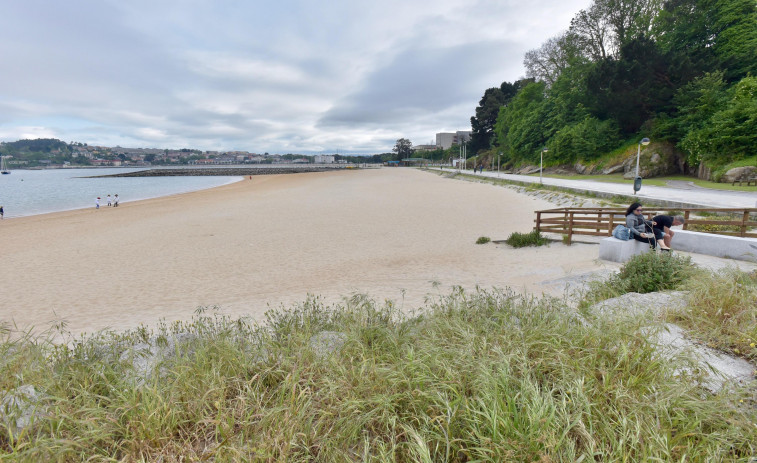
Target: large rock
21,407
738,173
582,169
326,343
719,369
146,358
654,160
527,170
612,169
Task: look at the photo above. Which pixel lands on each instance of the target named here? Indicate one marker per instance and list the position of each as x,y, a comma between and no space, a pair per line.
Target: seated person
641,229
662,224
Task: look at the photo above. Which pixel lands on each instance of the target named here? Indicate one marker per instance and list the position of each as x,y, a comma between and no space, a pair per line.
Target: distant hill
40,145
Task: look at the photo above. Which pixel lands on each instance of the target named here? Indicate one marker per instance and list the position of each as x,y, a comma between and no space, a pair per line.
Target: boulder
147,357
327,342
21,407
612,169
527,170
654,160
580,168
738,173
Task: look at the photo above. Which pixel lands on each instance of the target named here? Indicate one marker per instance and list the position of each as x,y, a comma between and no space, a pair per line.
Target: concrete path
677,194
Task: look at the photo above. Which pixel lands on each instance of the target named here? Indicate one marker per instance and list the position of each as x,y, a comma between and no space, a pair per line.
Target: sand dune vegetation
483,375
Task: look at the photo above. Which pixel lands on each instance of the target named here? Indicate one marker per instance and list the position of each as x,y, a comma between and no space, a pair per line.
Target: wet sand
391,233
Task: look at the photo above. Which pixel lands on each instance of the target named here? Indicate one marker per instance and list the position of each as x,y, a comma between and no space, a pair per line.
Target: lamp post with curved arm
637,180
541,163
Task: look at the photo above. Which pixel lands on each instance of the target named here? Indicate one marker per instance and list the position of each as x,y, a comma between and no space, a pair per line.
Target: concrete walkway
679,194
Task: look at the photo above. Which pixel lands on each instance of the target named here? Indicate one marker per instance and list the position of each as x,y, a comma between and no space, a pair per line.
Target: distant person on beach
115,201
97,203
662,224
641,229
2,212
108,200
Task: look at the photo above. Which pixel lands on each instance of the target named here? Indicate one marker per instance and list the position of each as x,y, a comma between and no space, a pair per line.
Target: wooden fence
601,221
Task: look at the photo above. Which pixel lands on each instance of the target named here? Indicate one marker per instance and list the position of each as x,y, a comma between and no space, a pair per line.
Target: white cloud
289,76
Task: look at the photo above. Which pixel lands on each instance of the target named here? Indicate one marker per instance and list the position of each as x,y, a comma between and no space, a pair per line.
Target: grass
643,273
481,376
483,240
722,305
656,181
520,240
722,311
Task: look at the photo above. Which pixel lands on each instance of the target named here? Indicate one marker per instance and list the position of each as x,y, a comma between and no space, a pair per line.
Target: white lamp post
637,180
541,163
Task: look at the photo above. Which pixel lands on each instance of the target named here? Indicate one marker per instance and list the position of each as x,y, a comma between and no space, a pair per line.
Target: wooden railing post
744,220
570,229
686,219
538,221
611,227
599,220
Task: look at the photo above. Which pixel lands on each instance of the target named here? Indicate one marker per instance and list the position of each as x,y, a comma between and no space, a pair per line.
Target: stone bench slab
710,244
731,247
616,250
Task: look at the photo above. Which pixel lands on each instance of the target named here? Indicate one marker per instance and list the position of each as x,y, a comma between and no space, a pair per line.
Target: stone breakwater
225,171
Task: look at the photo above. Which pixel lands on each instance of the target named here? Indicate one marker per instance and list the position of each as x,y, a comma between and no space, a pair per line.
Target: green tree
714,34
482,124
585,140
557,54
730,133
632,88
403,148
523,126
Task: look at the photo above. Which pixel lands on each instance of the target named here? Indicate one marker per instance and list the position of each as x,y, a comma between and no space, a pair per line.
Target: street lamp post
541,163
637,180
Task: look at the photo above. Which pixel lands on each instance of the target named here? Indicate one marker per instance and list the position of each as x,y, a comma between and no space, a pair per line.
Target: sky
290,76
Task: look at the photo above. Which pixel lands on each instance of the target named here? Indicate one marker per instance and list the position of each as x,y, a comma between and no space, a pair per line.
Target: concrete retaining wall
616,250
731,247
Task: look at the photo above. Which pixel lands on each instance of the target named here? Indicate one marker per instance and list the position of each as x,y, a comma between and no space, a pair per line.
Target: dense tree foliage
682,71
403,148
488,111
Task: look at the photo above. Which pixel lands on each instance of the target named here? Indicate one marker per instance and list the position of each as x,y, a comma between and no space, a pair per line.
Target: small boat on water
3,170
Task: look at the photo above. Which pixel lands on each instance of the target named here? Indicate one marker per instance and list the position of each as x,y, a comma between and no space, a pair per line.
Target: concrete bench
731,247
710,244
616,250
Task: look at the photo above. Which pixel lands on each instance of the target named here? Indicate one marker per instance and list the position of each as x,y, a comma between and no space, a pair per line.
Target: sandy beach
257,244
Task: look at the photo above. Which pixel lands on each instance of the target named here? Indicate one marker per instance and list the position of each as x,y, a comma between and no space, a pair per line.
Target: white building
445,140
324,158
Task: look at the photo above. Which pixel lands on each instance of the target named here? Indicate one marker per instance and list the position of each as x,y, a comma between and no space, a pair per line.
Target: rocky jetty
225,171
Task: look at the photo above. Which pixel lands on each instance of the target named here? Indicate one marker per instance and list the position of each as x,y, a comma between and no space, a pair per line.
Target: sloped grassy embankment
482,376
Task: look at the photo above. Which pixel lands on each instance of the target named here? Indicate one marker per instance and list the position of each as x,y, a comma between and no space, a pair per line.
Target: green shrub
520,240
644,273
649,272
475,376
483,240
722,311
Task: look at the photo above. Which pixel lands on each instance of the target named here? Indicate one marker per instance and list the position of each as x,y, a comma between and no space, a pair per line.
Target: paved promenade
677,194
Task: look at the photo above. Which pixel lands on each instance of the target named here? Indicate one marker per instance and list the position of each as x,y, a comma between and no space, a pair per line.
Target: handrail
600,221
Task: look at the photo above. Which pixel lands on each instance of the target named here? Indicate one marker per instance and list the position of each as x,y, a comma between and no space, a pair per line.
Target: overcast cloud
291,76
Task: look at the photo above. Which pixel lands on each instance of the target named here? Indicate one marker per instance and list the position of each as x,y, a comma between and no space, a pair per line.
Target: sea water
31,192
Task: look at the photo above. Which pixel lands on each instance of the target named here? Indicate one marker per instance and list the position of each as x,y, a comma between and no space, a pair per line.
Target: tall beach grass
488,375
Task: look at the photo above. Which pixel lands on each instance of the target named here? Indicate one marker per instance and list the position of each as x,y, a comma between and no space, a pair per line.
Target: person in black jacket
641,229
662,224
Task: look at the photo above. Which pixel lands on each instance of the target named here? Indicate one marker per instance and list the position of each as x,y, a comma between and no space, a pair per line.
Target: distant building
324,159
445,140
425,148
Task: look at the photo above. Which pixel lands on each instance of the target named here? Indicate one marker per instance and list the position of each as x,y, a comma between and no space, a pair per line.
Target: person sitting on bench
662,223
642,230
